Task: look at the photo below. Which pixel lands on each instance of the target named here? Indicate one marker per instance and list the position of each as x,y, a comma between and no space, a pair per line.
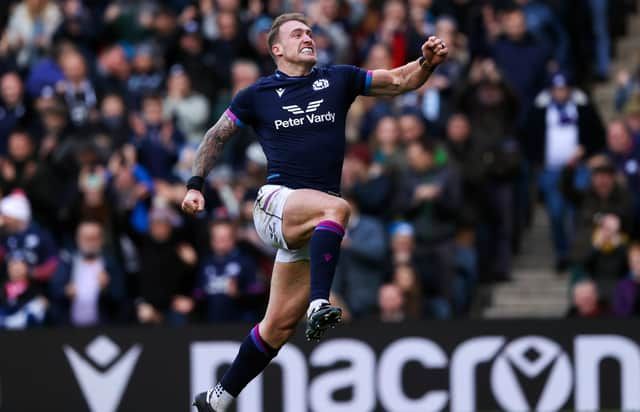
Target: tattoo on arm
212,144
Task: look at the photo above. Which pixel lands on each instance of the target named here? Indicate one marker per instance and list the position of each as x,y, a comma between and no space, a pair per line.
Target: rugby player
299,115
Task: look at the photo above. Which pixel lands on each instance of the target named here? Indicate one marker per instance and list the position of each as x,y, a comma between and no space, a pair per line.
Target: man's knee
277,333
338,211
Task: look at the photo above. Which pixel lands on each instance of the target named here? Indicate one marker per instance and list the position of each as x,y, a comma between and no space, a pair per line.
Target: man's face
17,269
585,297
603,183
561,93
618,139
73,67
89,239
295,44
160,230
11,224
243,75
227,26
411,128
112,106
11,89
20,147
419,159
222,239
458,129
152,110
387,131
515,25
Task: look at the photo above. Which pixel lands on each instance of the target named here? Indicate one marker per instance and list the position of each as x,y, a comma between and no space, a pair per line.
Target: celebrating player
299,115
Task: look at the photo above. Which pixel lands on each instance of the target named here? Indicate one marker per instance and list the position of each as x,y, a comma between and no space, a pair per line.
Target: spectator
189,109
604,195
625,155
606,261
21,303
243,73
632,116
156,138
200,60
258,38
360,270
146,76
21,234
166,272
406,278
113,122
56,142
437,98
586,301
561,127
547,29
599,16
391,303
77,26
112,70
76,89
15,111
392,31
21,169
628,83
491,108
412,127
626,300
30,29
88,287
325,16
402,237
226,278
521,58
131,187
431,199
387,153
463,152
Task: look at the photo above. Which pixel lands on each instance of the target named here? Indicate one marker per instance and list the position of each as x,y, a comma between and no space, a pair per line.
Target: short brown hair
279,21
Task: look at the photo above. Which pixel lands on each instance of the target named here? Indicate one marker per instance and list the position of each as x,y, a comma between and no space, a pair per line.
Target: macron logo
280,91
311,107
104,386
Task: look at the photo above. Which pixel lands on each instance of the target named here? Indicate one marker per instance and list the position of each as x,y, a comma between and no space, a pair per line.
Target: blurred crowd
103,104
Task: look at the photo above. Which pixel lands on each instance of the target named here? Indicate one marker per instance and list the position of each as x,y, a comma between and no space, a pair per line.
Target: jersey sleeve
357,81
242,109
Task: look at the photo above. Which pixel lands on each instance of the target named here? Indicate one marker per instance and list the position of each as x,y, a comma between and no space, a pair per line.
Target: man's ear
277,50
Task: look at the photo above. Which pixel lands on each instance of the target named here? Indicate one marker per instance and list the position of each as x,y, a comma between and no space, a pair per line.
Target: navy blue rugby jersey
300,122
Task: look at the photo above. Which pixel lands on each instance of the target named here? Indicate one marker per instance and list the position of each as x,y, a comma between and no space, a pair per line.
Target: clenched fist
434,51
193,202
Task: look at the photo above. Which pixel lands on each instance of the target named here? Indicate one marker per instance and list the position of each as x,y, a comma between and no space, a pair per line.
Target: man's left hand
434,51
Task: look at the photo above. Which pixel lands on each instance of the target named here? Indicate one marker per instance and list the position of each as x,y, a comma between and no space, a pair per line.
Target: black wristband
422,61
195,183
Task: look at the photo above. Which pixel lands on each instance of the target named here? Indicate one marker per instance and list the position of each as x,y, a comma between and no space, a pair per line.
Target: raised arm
206,157
413,74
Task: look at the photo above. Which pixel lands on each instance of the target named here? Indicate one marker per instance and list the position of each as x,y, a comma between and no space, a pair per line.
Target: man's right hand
193,202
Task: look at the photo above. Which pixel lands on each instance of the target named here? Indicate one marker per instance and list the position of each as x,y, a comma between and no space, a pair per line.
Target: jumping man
299,115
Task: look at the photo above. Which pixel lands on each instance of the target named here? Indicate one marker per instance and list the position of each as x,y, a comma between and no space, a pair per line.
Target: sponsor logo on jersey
308,117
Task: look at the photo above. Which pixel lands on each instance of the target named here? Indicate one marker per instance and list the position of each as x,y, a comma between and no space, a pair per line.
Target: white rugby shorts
267,217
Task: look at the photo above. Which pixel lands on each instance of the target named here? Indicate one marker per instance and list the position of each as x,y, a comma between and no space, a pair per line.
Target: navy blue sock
254,355
324,250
